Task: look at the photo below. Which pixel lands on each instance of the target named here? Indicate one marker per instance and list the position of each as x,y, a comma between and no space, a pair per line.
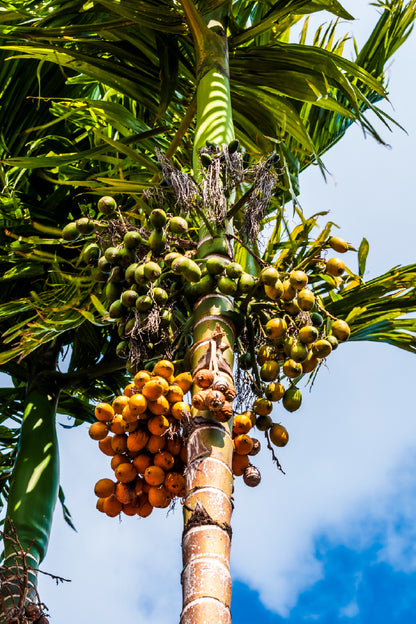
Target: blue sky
333,540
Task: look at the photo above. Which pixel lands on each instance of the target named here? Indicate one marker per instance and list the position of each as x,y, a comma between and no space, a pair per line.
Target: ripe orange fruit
164,459
125,473
141,462
164,368
129,390
100,504
98,430
159,407
138,485
131,509
111,506
128,415
180,410
184,454
120,403
104,412
158,424
243,444
137,440
174,394
239,464
153,389
154,475
174,483
116,425
118,459
174,445
145,508
184,381
155,444
137,404
158,496
104,488
105,446
119,443
124,492
242,424
141,378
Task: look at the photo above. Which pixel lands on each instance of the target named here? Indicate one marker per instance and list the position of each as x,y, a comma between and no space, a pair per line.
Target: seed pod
251,476
256,447
230,393
198,400
214,400
204,378
221,383
225,413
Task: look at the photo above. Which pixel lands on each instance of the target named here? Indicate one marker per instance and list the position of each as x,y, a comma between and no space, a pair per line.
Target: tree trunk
33,488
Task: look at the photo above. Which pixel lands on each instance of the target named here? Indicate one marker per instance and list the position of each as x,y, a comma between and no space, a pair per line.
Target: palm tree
185,79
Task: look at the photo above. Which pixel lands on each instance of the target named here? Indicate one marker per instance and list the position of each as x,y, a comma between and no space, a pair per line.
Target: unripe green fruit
298,279
306,299
151,271
299,352
335,266
158,218
279,435
292,369
113,291
215,265
338,244
132,239
321,348
98,276
85,225
116,275
234,270
333,342
157,241
139,276
104,265
205,286
178,225
246,282
122,349
107,205
160,295
341,330
191,271
170,257
308,334
233,146
263,423
125,257
206,160
112,254
292,399
91,254
166,318
269,275
317,319
130,272
116,309
178,265
144,303
227,286
70,232
129,298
